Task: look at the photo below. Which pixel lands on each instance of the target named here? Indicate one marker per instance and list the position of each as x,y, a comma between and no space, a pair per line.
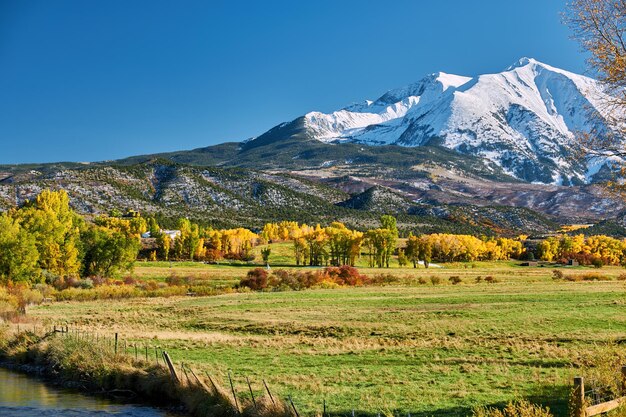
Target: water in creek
24,396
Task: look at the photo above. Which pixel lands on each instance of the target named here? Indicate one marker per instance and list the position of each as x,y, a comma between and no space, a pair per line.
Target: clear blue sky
96,80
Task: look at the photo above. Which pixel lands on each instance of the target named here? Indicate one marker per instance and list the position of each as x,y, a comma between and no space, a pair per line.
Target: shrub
248,257
344,275
422,280
491,280
594,277
128,280
237,256
435,280
382,279
256,279
455,279
479,279
573,278
50,278
176,281
97,293
557,275
150,285
601,367
514,409
597,262
329,277
9,303
284,279
99,280
313,278
621,277
85,284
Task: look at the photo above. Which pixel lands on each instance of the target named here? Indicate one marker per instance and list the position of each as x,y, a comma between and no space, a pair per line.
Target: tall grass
96,367
514,409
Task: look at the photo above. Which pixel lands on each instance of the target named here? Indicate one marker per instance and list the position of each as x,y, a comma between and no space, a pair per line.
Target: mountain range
496,152
526,119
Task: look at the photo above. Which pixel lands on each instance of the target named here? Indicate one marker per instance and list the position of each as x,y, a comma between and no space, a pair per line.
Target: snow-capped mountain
527,119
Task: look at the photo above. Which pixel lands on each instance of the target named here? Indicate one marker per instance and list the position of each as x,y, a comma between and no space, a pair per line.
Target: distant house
530,263
173,234
572,262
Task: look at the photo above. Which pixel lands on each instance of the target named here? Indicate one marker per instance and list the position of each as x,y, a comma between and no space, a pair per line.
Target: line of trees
315,245
591,250
45,240
461,248
195,243
337,245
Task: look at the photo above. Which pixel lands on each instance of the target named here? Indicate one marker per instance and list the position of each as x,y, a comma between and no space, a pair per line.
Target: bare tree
600,28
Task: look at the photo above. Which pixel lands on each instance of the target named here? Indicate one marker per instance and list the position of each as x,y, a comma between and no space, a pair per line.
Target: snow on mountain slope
392,106
526,119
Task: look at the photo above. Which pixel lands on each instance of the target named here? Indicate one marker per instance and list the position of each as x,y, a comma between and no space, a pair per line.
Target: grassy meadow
407,347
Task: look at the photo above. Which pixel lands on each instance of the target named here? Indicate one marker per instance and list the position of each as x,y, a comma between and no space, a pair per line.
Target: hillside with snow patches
526,119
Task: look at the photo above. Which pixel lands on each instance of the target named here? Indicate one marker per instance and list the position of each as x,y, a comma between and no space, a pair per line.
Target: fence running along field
584,402
593,402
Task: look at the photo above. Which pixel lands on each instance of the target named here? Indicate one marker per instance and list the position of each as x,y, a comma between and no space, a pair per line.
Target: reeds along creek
109,365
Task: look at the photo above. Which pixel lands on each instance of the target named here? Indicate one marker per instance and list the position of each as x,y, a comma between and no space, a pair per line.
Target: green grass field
406,348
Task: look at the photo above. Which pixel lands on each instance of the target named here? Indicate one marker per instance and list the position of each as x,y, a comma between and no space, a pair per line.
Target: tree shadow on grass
555,397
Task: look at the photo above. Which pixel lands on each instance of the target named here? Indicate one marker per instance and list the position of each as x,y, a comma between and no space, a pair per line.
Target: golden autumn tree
18,252
300,248
56,229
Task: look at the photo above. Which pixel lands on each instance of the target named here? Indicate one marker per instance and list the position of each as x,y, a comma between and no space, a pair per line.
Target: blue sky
88,81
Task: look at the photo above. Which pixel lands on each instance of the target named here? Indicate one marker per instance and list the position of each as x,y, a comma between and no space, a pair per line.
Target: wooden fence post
579,397
269,392
115,344
251,393
232,387
624,380
170,365
296,411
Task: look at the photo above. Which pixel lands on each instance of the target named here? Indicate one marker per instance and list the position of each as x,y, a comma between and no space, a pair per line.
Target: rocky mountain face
526,119
234,197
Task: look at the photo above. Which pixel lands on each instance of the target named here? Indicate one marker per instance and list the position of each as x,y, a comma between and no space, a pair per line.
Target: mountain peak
533,63
522,62
524,119
451,80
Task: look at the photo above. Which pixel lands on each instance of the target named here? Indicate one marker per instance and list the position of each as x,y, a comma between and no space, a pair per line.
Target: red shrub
128,280
98,281
344,275
255,280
